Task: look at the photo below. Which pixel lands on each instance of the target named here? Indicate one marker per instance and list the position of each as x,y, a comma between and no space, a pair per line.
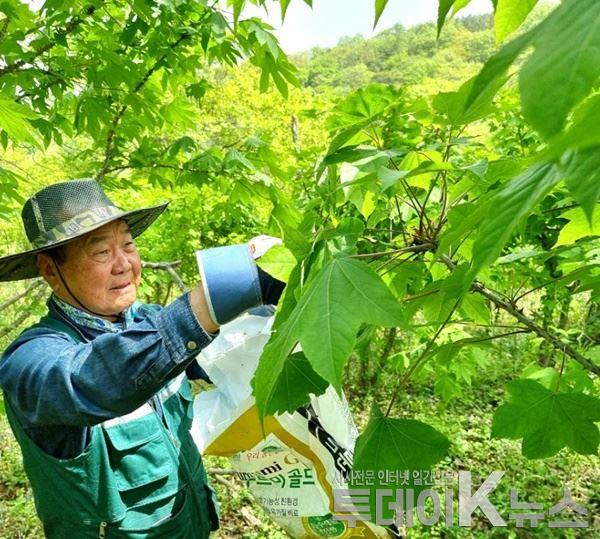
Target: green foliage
548,421
296,381
510,204
14,120
119,75
344,294
387,442
437,199
401,56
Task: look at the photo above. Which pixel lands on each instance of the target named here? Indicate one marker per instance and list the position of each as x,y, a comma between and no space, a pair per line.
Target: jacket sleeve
51,380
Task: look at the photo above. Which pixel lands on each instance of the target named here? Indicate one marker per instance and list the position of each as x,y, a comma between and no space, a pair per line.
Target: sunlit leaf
578,227
509,15
278,262
14,119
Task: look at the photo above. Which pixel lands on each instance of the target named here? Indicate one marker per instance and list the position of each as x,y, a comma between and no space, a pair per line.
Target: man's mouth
121,287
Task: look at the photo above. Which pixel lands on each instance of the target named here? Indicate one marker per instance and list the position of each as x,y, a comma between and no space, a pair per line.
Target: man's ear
47,269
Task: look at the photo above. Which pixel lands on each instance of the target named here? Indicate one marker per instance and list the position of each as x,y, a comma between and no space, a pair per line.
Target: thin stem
543,285
403,229
409,249
407,189
422,358
10,301
403,261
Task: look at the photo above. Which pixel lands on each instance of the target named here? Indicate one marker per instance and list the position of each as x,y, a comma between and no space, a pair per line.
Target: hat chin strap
64,282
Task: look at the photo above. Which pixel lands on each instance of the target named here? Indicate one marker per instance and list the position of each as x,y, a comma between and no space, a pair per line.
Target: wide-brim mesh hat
64,211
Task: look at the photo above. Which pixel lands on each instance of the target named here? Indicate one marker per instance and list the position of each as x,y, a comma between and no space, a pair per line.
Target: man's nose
122,262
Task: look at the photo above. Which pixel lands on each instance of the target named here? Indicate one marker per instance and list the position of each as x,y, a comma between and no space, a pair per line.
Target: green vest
137,479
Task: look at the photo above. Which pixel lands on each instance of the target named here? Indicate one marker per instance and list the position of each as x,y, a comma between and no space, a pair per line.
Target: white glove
259,245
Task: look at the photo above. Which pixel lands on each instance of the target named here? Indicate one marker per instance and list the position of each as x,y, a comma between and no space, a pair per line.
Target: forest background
379,141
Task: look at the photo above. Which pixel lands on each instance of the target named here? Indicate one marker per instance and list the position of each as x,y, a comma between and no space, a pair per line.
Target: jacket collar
84,320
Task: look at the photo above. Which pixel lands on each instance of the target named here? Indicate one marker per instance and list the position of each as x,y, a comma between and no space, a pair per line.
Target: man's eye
103,252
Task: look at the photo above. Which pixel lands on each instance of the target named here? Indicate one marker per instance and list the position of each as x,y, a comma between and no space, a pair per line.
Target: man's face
102,270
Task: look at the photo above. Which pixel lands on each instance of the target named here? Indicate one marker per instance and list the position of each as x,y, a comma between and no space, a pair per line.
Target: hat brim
23,265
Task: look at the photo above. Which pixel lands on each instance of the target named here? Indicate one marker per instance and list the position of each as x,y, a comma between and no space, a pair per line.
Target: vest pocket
137,452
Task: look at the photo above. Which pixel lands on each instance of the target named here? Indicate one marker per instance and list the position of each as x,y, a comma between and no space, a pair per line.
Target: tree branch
23,316
528,322
155,165
69,27
410,249
20,295
169,267
543,285
110,138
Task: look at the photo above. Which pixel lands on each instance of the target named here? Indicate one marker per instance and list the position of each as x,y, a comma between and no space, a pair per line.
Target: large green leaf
548,421
358,111
496,66
14,119
459,109
345,294
564,65
583,131
513,202
390,444
294,385
509,15
578,227
582,176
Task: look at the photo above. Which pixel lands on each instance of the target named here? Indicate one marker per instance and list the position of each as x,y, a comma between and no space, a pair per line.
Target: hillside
406,56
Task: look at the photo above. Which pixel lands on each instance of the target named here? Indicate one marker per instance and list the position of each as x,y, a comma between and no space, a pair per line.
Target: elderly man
96,392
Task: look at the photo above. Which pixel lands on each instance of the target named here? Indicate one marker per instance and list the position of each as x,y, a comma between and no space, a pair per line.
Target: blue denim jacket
58,388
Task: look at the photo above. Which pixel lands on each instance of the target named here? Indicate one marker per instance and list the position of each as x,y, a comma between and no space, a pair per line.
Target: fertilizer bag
292,466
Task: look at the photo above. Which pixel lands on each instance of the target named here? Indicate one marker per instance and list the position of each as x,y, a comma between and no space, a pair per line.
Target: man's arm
51,380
